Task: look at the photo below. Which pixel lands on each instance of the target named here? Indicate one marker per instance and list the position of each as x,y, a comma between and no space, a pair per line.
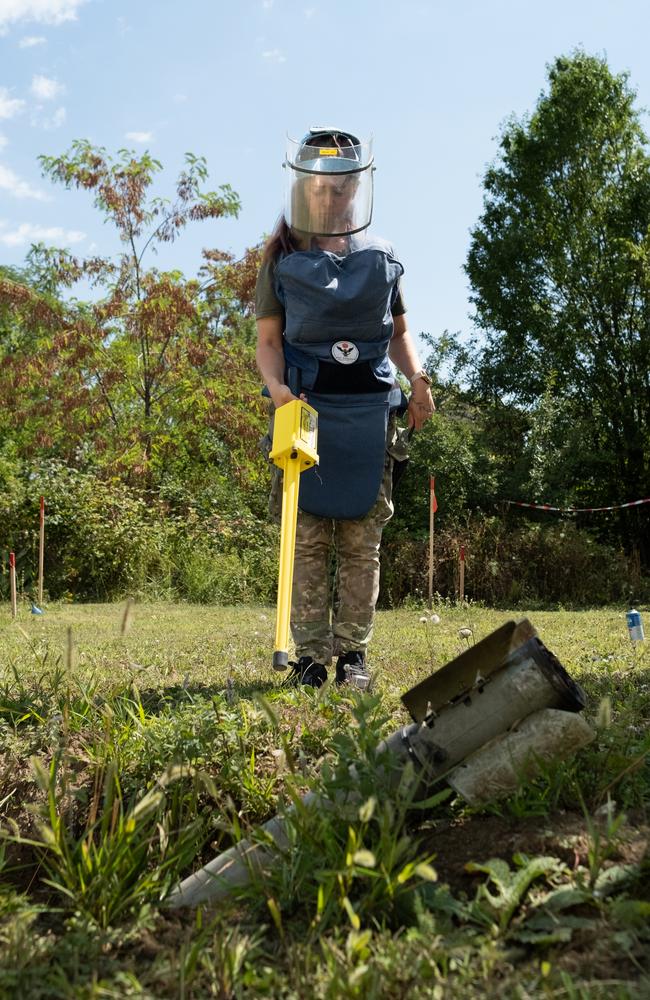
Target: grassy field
135,746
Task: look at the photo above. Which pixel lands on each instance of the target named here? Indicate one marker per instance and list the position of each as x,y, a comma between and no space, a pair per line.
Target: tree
559,269
157,370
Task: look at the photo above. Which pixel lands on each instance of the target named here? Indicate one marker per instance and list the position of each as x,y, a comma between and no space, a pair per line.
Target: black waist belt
347,379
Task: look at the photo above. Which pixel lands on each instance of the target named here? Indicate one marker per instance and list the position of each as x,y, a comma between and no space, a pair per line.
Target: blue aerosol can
634,625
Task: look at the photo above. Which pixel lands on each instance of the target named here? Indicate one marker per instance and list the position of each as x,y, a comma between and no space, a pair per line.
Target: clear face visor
328,188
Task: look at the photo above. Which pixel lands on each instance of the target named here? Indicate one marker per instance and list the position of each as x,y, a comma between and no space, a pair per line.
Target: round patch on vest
344,352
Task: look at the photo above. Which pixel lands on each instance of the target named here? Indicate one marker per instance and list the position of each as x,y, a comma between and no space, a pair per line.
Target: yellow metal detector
295,438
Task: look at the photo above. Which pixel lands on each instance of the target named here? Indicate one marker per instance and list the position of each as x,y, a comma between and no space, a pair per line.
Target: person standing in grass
330,319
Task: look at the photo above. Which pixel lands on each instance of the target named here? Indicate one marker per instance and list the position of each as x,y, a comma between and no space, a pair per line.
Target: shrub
204,575
101,537
105,539
511,565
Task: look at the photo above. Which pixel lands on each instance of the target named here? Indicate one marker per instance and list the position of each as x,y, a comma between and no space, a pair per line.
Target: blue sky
228,79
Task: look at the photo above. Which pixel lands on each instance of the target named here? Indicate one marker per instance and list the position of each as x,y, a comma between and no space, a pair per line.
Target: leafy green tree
499,426
155,373
451,447
559,268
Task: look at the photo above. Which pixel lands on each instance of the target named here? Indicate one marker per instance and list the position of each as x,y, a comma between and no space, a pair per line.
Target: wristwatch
420,374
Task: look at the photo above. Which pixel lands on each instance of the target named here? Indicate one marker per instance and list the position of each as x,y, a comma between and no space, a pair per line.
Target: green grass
134,747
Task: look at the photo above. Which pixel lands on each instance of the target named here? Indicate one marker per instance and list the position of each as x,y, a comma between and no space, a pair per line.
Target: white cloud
179,98
27,232
58,118
139,136
53,121
3,141
42,11
29,41
40,119
18,188
45,88
267,4
9,106
274,55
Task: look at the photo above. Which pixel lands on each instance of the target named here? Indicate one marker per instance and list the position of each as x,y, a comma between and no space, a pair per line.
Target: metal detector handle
400,464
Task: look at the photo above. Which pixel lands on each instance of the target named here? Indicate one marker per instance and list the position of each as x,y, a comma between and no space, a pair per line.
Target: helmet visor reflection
329,204
329,187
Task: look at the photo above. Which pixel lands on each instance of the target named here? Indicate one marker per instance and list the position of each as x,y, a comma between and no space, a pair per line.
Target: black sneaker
351,669
306,671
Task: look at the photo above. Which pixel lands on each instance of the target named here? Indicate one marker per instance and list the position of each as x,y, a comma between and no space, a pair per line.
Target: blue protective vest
330,299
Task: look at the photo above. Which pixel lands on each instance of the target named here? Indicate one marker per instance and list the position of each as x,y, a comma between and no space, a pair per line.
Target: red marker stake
462,574
433,506
41,553
12,583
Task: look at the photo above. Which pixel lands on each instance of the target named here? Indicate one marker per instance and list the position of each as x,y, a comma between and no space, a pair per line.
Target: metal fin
465,671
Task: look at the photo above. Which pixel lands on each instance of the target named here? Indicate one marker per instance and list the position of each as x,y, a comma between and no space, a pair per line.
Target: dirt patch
562,835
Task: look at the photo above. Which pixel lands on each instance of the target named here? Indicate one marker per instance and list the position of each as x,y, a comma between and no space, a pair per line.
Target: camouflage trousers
334,616
334,612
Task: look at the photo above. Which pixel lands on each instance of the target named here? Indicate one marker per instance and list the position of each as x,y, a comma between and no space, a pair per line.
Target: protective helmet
329,183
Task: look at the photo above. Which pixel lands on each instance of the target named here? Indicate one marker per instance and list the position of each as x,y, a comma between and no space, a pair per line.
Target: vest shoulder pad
361,242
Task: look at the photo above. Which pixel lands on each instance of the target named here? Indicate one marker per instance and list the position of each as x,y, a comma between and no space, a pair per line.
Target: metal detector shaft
291,471
295,435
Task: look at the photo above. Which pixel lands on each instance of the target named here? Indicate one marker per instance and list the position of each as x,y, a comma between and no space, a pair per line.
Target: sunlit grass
150,744
167,643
